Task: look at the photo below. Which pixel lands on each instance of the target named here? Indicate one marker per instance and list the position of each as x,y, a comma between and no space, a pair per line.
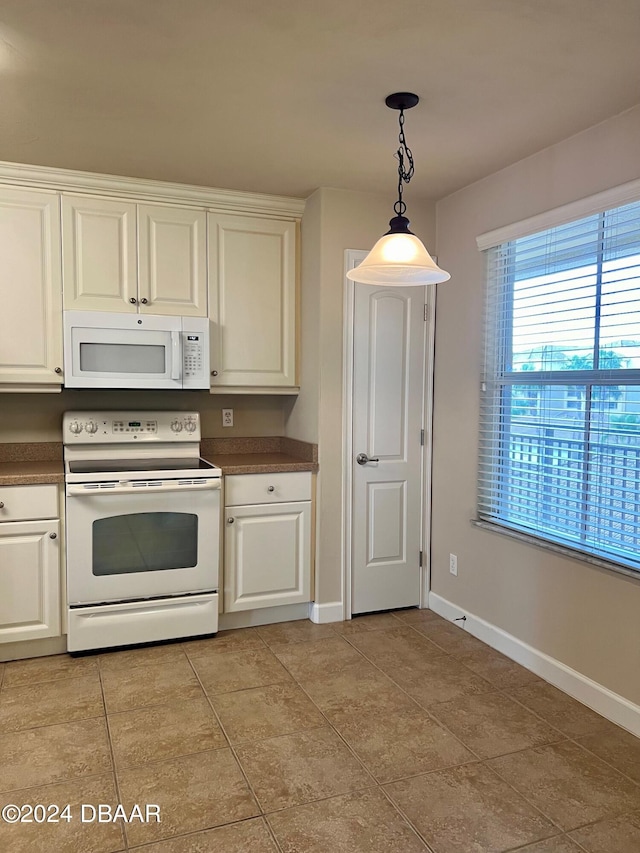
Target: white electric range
142,529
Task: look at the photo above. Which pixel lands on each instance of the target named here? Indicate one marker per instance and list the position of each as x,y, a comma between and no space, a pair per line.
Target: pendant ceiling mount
399,258
401,101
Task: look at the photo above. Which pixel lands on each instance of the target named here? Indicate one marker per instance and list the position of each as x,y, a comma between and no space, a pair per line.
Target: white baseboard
33,648
263,616
323,613
602,700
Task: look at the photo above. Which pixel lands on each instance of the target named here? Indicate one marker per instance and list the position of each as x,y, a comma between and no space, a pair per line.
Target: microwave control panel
192,354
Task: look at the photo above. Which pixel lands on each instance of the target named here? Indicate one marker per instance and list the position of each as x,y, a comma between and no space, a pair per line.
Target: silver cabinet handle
1,504
133,300
144,301
230,520
58,370
53,536
362,459
214,372
271,488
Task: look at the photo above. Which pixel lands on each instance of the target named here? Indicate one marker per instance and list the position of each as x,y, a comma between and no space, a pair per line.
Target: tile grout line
67,781
524,847
563,739
572,738
472,751
377,785
49,725
418,705
235,756
405,817
112,754
328,724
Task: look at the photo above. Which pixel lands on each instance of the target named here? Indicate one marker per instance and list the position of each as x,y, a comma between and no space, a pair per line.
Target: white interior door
388,406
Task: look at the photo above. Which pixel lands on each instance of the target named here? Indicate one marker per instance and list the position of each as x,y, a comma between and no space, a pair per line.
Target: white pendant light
399,257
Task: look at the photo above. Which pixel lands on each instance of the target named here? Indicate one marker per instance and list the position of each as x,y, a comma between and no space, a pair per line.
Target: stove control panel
121,427
135,426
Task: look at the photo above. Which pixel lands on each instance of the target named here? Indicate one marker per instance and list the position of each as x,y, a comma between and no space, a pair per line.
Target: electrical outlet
227,417
453,564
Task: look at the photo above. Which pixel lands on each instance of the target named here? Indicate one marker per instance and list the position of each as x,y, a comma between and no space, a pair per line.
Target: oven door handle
80,491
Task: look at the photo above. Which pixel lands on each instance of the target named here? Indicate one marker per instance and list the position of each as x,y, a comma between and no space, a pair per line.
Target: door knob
53,536
133,300
362,459
144,301
230,520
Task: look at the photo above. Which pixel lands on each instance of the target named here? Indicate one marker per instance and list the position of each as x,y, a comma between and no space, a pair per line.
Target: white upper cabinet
99,254
252,303
30,290
173,260
119,256
87,242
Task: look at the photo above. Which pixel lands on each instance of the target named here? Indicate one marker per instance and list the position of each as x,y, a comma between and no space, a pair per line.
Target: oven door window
144,542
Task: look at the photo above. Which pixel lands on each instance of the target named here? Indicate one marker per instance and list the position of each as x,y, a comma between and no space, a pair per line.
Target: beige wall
584,616
340,220
38,417
302,412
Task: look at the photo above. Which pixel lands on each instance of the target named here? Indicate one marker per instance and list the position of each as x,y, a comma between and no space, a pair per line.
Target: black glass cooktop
94,467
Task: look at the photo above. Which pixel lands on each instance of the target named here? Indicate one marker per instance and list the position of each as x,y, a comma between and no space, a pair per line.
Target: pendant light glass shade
398,259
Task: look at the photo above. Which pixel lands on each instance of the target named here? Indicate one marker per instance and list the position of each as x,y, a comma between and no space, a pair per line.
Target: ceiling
284,96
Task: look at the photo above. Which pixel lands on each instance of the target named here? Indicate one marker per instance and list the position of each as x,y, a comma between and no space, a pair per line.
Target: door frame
352,257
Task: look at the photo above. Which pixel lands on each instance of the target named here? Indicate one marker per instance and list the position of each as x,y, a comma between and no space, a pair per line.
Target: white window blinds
560,419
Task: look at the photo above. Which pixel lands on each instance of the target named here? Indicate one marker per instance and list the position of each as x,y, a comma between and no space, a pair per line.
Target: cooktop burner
98,467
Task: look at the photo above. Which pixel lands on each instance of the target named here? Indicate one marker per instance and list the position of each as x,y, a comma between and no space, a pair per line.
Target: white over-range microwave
104,350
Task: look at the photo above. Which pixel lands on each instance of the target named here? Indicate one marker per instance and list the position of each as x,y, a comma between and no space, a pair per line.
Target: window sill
564,550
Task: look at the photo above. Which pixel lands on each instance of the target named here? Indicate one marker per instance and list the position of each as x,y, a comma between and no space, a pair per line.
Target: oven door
129,541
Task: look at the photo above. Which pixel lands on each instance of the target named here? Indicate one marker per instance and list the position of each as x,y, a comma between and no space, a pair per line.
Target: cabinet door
252,301
99,254
30,289
267,555
30,580
173,261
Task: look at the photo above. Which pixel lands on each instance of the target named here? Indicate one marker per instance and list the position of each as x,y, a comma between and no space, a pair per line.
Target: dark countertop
41,462
268,455
31,464
260,463
29,473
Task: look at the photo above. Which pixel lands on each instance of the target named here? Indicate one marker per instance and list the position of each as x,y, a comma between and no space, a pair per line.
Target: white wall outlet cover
227,417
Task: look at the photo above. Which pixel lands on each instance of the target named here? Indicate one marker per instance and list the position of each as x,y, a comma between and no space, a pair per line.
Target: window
560,425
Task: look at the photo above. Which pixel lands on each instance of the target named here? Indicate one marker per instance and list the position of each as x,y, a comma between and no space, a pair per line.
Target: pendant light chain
404,175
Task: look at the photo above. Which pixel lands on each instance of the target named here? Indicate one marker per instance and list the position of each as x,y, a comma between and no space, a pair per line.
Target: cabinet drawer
26,503
243,489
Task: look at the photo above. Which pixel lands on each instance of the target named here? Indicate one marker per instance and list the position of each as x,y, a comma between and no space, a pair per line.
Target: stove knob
91,427
75,427
190,426
176,426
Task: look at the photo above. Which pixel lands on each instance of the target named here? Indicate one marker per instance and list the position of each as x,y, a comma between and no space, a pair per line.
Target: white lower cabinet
267,544
29,580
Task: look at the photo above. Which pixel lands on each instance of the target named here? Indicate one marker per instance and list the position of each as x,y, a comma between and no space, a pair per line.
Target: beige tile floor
395,733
